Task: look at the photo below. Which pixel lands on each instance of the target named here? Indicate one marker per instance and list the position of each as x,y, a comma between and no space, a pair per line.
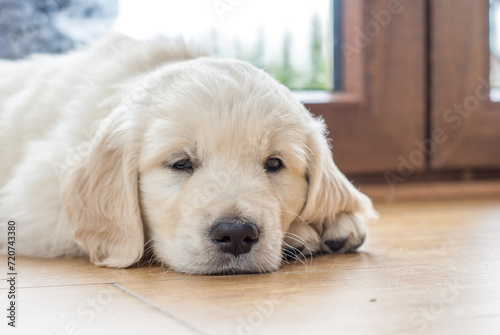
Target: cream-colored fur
88,140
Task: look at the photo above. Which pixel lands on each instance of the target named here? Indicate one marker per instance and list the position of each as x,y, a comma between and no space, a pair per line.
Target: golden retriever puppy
209,165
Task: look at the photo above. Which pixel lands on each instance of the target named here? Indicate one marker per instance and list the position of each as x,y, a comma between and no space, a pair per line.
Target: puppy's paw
301,240
347,233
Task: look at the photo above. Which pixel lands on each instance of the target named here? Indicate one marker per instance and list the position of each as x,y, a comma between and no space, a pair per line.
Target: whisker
297,215
299,240
293,253
296,238
300,251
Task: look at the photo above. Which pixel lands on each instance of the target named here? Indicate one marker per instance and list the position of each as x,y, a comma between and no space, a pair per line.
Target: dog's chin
226,264
219,263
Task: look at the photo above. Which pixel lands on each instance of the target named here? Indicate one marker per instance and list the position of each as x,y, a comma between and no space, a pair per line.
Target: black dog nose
234,236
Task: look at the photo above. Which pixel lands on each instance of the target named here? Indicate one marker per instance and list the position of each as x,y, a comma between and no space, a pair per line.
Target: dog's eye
273,164
183,164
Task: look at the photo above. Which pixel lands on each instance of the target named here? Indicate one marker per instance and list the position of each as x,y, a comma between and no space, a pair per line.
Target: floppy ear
329,190
100,196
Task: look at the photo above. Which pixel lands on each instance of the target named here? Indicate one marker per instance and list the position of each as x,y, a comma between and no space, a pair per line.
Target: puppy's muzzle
234,236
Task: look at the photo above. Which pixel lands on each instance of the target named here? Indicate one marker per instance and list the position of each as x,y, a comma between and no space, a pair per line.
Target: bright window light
292,40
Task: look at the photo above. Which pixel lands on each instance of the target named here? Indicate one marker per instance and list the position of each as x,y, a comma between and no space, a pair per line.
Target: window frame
460,75
376,119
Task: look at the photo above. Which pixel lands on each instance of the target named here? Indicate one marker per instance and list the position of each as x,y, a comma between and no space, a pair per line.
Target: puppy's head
208,161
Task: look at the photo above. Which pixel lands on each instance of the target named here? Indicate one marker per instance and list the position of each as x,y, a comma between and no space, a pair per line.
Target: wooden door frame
377,122
460,104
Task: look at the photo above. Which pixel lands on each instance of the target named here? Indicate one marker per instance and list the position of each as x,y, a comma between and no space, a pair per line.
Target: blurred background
400,83
294,46
495,49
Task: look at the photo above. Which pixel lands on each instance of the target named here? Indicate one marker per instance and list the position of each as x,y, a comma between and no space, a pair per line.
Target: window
291,41
461,103
494,17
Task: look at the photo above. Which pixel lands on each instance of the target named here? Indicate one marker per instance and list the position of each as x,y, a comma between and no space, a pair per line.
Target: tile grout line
142,300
